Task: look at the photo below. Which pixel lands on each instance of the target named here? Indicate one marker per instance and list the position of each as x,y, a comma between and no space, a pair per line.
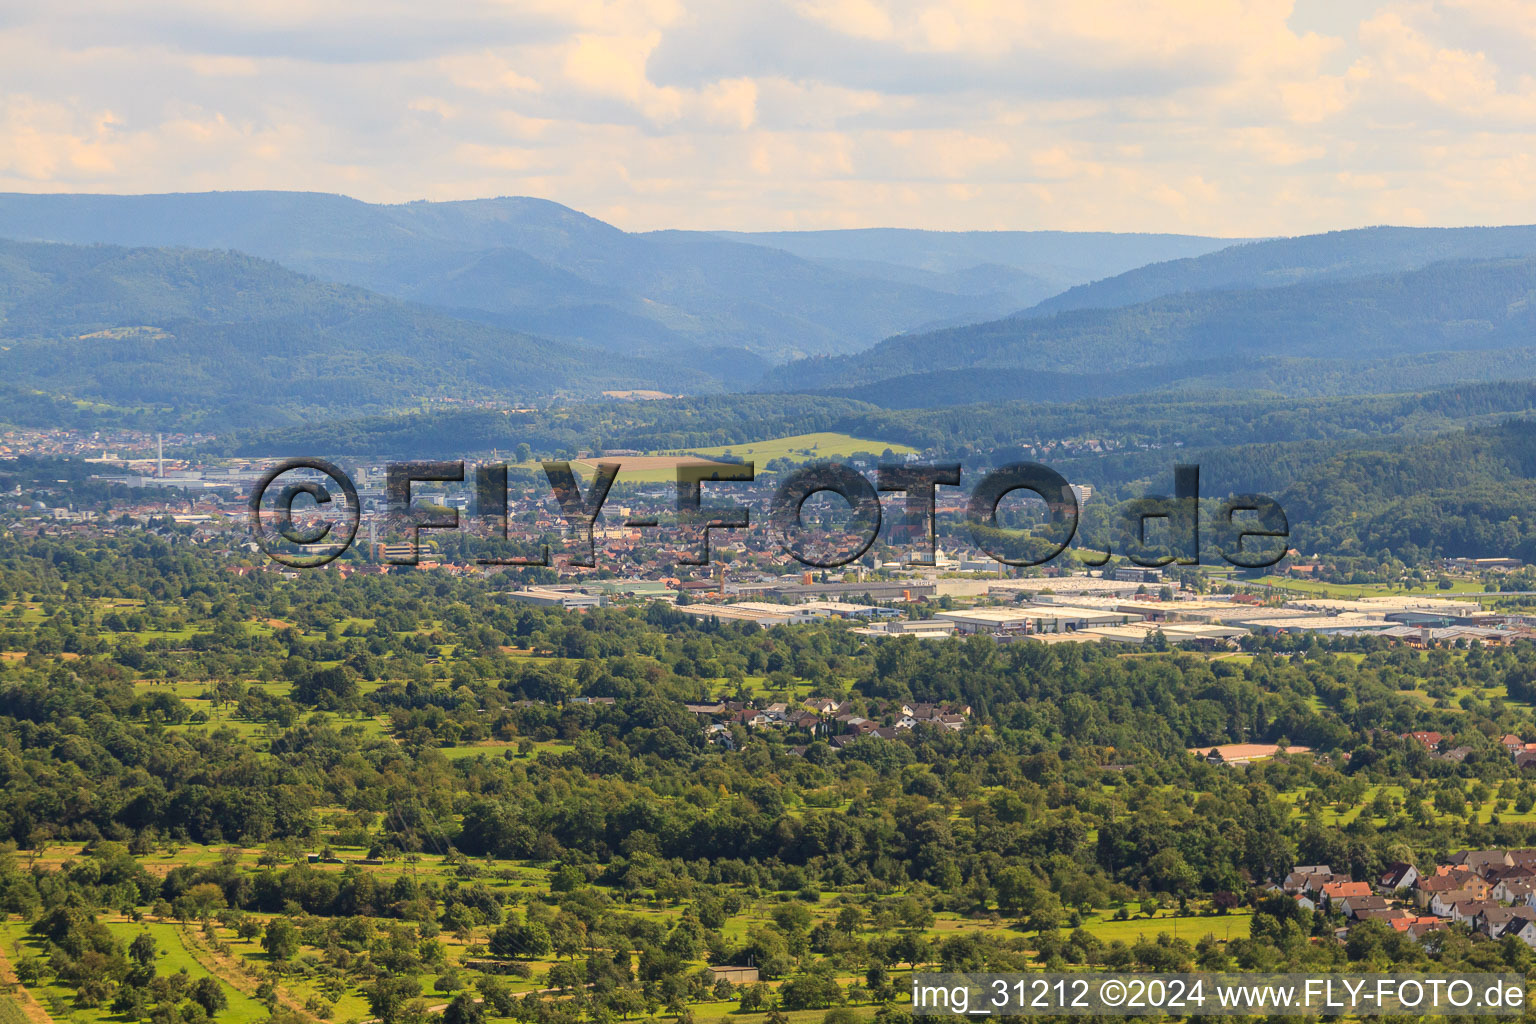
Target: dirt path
24,999
233,971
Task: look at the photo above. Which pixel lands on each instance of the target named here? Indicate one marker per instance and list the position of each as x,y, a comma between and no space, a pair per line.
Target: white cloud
1213,116
47,142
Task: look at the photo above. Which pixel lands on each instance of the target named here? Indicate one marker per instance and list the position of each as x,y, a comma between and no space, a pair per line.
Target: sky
1199,116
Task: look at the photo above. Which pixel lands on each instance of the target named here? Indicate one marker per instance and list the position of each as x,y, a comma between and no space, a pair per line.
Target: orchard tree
281,940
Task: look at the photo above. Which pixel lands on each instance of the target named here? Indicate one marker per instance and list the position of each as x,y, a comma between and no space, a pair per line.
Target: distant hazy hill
1276,263
536,266
238,340
1467,320
1057,258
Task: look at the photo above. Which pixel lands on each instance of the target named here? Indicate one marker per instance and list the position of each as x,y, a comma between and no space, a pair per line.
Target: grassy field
802,446
1353,591
498,748
11,1011
173,956
243,961
1224,926
1332,815
351,1004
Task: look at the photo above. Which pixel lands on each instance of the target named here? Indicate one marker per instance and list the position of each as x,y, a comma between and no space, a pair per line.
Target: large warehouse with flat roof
1035,618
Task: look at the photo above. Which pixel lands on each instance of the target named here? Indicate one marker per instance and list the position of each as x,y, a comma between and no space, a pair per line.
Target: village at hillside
1492,892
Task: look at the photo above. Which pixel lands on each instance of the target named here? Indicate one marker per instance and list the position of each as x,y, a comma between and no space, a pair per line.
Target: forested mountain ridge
1398,495
234,340
1148,426
1256,375
1481,306
1468,493
1275,263
539,267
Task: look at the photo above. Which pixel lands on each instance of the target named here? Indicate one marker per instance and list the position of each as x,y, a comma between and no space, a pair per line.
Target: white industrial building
846,610
570,600
760,613
1042,618
1267,623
